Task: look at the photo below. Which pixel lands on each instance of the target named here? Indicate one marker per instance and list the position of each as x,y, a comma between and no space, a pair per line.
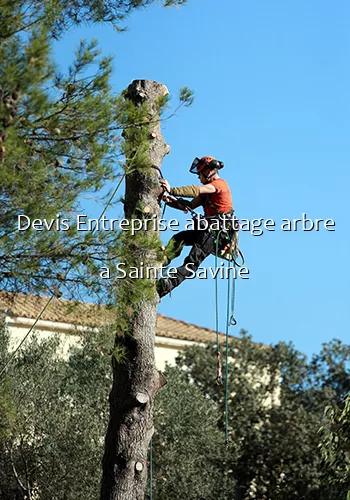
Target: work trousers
203,244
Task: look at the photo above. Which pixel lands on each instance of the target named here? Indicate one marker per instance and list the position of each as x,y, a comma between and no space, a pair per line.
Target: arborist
214,196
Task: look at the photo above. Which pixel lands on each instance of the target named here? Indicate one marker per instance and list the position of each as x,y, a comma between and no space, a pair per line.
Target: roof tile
93,315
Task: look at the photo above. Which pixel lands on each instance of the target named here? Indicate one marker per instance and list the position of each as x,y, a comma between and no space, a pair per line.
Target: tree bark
135,378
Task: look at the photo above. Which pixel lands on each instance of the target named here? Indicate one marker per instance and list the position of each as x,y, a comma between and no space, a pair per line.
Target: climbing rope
240,254
218,354
150,470
229,318
230,321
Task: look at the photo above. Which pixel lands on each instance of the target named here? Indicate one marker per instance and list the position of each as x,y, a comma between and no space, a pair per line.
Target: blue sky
271,82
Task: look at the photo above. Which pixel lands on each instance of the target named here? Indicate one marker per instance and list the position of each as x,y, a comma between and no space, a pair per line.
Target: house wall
166,349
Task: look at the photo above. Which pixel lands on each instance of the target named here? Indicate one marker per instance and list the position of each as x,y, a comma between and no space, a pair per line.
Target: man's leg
203,245
176,244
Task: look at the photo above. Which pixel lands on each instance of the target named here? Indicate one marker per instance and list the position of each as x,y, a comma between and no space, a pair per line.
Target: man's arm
207,189
191,191
196,202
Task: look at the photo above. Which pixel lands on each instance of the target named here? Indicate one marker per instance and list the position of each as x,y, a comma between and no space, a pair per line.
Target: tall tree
135,378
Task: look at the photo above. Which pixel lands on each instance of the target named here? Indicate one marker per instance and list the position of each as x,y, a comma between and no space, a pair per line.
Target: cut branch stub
149,92
141,185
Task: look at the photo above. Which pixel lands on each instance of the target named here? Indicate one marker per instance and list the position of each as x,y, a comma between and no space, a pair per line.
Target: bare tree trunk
135,378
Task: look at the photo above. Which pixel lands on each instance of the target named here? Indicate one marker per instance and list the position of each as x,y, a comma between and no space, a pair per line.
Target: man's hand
174,203
167,198
165,185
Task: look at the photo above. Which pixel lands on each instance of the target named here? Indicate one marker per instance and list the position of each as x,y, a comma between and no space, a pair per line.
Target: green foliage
168,3
53,446
335,449
119,352
134,119
186,96
59,141
61,15
53,415
130,292
188,447
7,412
276,402
329,371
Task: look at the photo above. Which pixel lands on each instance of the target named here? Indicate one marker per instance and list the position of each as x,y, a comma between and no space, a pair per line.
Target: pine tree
59,138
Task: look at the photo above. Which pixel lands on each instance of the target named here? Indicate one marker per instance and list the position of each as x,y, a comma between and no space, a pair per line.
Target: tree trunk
135,378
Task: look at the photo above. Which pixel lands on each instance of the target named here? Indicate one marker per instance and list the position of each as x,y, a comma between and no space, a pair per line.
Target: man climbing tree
215,197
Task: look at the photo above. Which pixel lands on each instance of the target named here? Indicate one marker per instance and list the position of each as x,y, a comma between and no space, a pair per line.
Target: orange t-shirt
218,202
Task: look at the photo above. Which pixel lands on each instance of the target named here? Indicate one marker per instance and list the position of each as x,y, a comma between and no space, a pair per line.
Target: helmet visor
196,166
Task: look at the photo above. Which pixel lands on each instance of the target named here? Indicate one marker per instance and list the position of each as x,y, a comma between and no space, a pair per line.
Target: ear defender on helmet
216,164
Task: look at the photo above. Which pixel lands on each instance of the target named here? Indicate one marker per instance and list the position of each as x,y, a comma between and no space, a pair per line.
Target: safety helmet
200,164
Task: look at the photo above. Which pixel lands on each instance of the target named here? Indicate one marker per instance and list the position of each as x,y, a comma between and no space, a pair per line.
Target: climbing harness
229,249
226,237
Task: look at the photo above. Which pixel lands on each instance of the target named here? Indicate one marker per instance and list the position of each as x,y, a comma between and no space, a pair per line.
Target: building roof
88,314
